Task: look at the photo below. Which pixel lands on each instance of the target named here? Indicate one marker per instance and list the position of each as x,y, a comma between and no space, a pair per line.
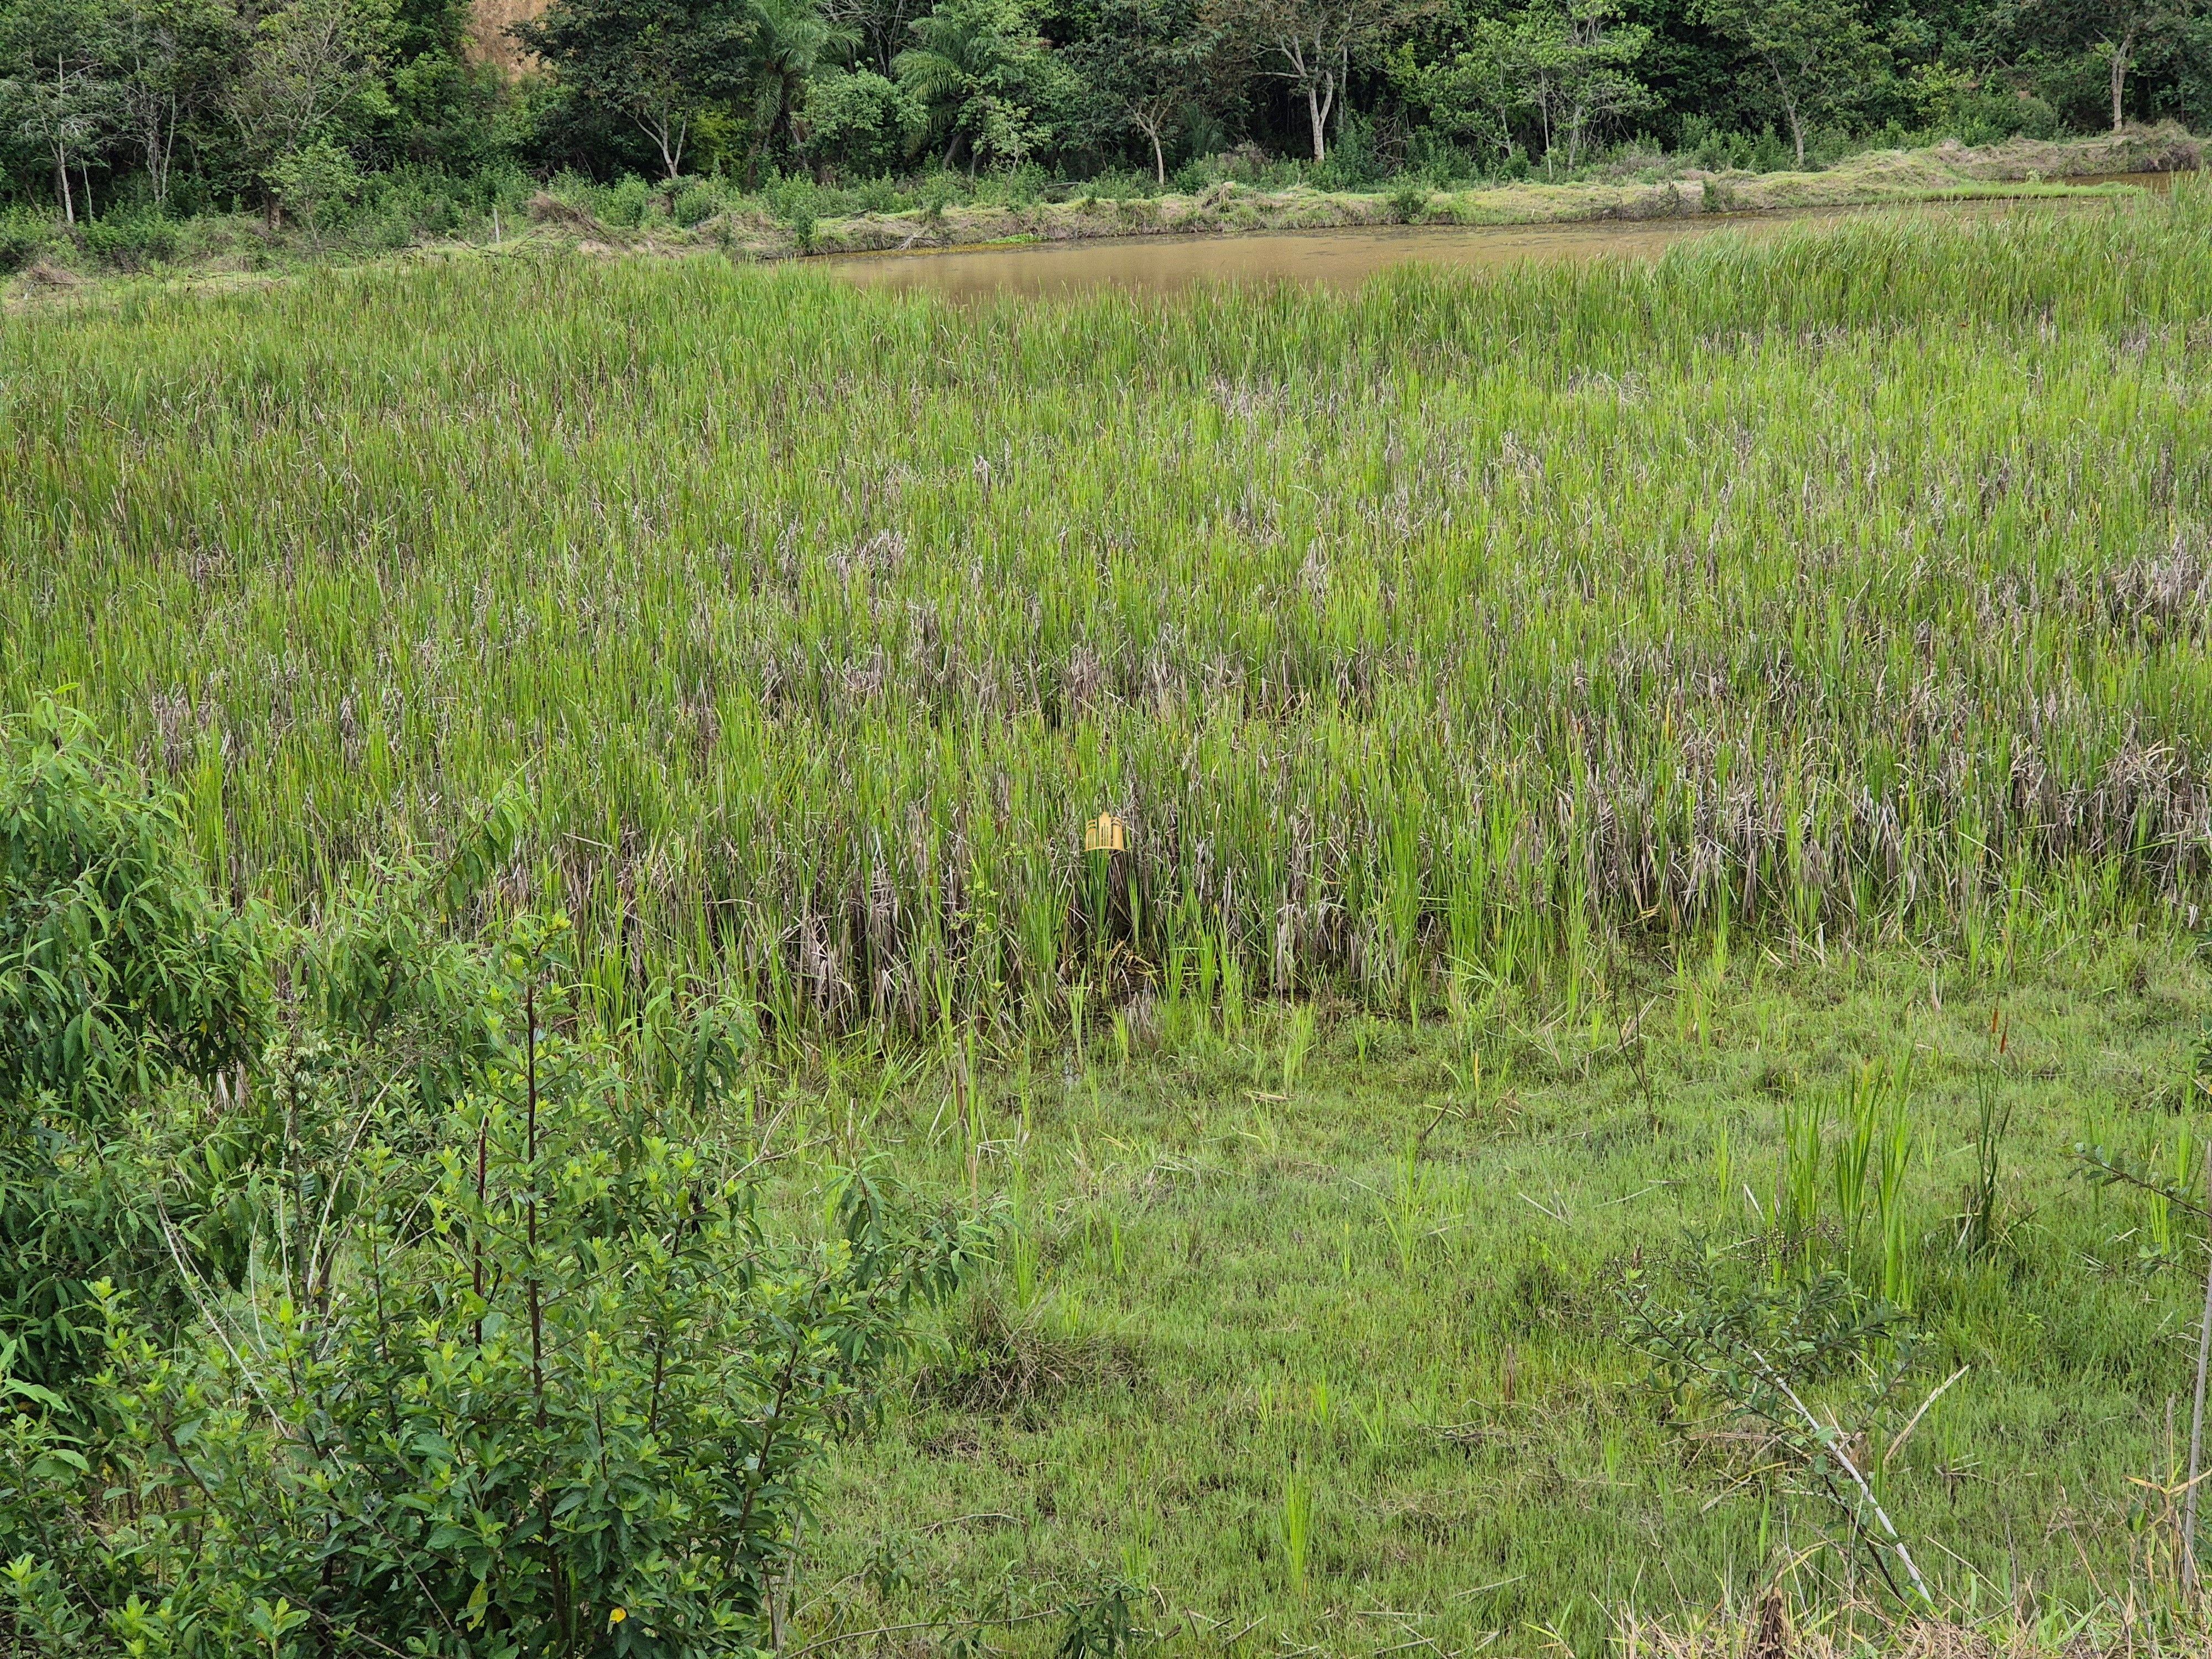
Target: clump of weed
1001,1357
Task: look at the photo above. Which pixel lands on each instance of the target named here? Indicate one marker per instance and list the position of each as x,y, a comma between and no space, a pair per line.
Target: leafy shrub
25,236
516,1375
695,204
119,972
389,231
1752,1349
1439,159
878,195
1120,185
516,1372
131,241
940,189
1025,184
1353,163
628,202
860,123
574,1387
1770,153
796,202
317,183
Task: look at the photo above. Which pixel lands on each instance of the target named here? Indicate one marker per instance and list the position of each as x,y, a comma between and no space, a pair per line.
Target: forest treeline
291,107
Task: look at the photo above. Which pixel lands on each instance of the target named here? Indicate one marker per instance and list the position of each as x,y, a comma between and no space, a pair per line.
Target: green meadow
1662,802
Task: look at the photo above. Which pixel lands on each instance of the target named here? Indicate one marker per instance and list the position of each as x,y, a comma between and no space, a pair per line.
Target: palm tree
789,39
962,51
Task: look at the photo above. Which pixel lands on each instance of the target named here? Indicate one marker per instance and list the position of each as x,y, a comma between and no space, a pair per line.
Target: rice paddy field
1644,787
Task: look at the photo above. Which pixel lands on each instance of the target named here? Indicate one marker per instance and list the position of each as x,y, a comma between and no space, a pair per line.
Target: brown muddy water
1346,257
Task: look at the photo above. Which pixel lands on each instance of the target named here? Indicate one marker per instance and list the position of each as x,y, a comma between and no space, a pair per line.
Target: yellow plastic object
1106,834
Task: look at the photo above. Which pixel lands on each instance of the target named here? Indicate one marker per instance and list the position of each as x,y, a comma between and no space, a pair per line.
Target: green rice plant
1021,1253
1797,1190
1374,1422
1409,1214
1980,1223
1459,632
1890,1214
2165,1238
1297,1043
1297,1529
1851,1161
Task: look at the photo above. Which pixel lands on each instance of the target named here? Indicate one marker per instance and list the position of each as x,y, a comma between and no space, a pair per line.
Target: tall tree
881,29
656,64
2120,29
1467,88
53,88
976,65
309,67
1151,60
169,58
787,40
1572,67
1312,44
1816,54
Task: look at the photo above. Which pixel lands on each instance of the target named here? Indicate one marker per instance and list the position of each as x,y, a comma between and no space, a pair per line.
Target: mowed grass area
1567,725
1383,1292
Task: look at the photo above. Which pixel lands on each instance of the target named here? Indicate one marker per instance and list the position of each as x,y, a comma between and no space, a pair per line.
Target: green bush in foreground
510,1372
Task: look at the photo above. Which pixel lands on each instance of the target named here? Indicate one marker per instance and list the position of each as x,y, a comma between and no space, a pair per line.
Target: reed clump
1848,586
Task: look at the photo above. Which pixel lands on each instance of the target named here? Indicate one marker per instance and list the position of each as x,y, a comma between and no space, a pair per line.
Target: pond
1346,257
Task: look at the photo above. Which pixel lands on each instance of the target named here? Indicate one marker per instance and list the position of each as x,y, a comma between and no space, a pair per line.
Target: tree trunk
664,134
1159,158
2121,54
1789,108
61,185
1313,115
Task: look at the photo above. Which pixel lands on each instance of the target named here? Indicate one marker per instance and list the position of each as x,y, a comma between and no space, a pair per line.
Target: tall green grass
1846,586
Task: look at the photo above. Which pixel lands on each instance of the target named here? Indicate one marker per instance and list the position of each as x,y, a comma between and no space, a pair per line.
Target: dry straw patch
1772,1629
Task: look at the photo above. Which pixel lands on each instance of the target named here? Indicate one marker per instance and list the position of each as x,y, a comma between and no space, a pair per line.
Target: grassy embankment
1611,703
2021,167
705,216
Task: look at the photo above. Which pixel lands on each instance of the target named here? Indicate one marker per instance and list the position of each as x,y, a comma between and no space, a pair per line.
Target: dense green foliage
119,975
118,115
459,1336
